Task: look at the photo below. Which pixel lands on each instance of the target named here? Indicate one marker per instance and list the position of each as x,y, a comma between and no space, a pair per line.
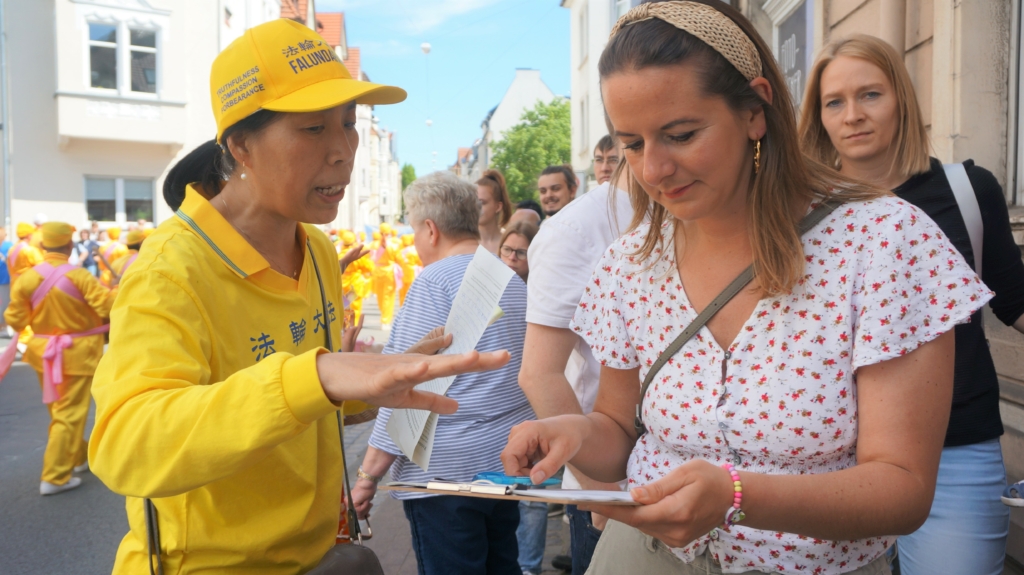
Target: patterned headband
711,26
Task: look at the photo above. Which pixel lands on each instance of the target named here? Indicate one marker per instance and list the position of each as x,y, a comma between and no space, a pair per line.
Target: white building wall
63,129
590,23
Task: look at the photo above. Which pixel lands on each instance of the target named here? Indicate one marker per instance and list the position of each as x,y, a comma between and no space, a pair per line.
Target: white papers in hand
473,310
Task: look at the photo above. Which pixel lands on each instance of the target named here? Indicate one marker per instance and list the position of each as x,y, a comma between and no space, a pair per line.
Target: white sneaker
47,488
83,468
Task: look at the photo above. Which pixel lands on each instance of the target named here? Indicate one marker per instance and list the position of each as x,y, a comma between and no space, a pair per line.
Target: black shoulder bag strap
810,220
152,525
353,520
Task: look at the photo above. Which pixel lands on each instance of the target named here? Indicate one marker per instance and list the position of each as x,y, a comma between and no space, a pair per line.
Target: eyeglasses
507,252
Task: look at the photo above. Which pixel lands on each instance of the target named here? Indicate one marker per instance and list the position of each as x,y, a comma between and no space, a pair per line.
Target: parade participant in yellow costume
385,255
216,406
112,251
20,258
134,241
65,306
36,240
411,265
23,256
357,278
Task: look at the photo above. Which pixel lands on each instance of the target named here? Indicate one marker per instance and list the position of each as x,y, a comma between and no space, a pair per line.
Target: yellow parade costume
22,257
385,256
59,312
356,279
209,401
112,250
411,263
121,265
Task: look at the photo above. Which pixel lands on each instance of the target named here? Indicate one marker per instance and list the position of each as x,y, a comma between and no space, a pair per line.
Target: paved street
78,531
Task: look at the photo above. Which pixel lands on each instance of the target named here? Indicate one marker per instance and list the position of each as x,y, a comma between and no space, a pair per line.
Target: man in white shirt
559,374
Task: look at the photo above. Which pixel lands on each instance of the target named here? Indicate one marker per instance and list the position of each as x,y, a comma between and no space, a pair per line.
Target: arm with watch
375,466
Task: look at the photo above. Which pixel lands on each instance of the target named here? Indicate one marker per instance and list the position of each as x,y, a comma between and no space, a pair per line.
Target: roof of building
331,25
464,154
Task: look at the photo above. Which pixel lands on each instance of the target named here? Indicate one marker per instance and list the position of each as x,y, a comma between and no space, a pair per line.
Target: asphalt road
74,532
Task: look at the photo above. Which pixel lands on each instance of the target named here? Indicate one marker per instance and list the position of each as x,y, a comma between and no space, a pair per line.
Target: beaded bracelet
734,514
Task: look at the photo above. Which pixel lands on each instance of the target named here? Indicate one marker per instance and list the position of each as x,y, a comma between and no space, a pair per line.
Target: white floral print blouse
880,280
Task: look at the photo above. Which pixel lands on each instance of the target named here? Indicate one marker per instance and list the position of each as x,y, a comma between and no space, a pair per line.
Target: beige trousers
623,549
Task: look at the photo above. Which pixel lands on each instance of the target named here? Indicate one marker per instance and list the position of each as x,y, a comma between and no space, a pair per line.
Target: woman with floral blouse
816,400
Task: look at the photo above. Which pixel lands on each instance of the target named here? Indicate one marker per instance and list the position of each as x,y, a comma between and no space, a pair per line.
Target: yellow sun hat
284,66
408,239
24,230
135,237
347,238
57,234
114,233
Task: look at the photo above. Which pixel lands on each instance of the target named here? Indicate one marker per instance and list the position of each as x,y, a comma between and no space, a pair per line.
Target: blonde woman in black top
861,115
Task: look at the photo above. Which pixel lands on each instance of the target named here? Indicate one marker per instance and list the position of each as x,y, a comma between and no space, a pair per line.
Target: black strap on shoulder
353,520
810,220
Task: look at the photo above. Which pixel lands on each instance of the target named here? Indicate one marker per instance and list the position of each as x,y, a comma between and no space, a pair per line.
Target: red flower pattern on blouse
880,280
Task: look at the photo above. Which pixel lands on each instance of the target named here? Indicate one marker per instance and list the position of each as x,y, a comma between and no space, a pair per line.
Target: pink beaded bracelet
734,514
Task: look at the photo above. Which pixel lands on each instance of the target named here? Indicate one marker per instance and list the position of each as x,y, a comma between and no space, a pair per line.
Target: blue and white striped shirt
490,403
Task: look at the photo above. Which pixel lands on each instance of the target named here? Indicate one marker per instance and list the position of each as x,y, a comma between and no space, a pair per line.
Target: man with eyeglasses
606,159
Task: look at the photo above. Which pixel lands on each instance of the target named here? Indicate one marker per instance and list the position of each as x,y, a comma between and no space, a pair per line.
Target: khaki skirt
623,549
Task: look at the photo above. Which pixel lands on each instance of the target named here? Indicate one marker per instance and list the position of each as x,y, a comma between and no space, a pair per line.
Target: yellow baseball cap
284,66
57,234
135,237
24,230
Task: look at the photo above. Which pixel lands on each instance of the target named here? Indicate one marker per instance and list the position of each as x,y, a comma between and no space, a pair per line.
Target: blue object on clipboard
499,478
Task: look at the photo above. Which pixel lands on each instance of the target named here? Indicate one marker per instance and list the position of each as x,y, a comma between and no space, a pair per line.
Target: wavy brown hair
911,140
493,180
787,181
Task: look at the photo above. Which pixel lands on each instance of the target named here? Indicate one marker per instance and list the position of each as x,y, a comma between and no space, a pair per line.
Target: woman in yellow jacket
217,398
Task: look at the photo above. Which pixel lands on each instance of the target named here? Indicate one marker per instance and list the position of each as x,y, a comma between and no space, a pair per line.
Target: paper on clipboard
491,491
475,307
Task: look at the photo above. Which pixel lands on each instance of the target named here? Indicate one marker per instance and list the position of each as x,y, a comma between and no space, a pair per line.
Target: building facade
104,96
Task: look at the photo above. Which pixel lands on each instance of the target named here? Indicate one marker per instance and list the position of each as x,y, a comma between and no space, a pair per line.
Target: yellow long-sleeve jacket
60,313
28,257
209,402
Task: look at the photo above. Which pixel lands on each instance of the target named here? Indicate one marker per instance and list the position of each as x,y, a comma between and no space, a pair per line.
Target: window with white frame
119,200
123,58
103,56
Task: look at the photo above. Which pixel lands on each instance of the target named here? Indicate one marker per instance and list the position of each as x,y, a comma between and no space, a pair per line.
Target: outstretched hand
357,251
390,380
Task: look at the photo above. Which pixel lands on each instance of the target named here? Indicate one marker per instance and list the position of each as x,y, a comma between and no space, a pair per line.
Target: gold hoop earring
757,157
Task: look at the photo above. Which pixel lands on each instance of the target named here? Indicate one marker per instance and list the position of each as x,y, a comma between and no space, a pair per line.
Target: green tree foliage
540,140
408,175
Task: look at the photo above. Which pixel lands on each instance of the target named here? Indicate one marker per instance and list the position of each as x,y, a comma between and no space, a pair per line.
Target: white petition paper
473,310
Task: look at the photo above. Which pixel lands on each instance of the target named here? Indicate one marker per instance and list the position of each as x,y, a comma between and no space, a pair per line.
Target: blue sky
476,47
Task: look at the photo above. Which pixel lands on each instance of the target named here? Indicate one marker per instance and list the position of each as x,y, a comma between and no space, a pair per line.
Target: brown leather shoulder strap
810,220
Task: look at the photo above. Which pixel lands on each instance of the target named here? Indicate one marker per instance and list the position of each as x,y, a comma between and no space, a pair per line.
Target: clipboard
515,492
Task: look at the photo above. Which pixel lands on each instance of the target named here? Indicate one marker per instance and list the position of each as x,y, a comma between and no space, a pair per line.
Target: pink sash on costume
53,354
399,276
127,264
53,359
12,256
109,252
